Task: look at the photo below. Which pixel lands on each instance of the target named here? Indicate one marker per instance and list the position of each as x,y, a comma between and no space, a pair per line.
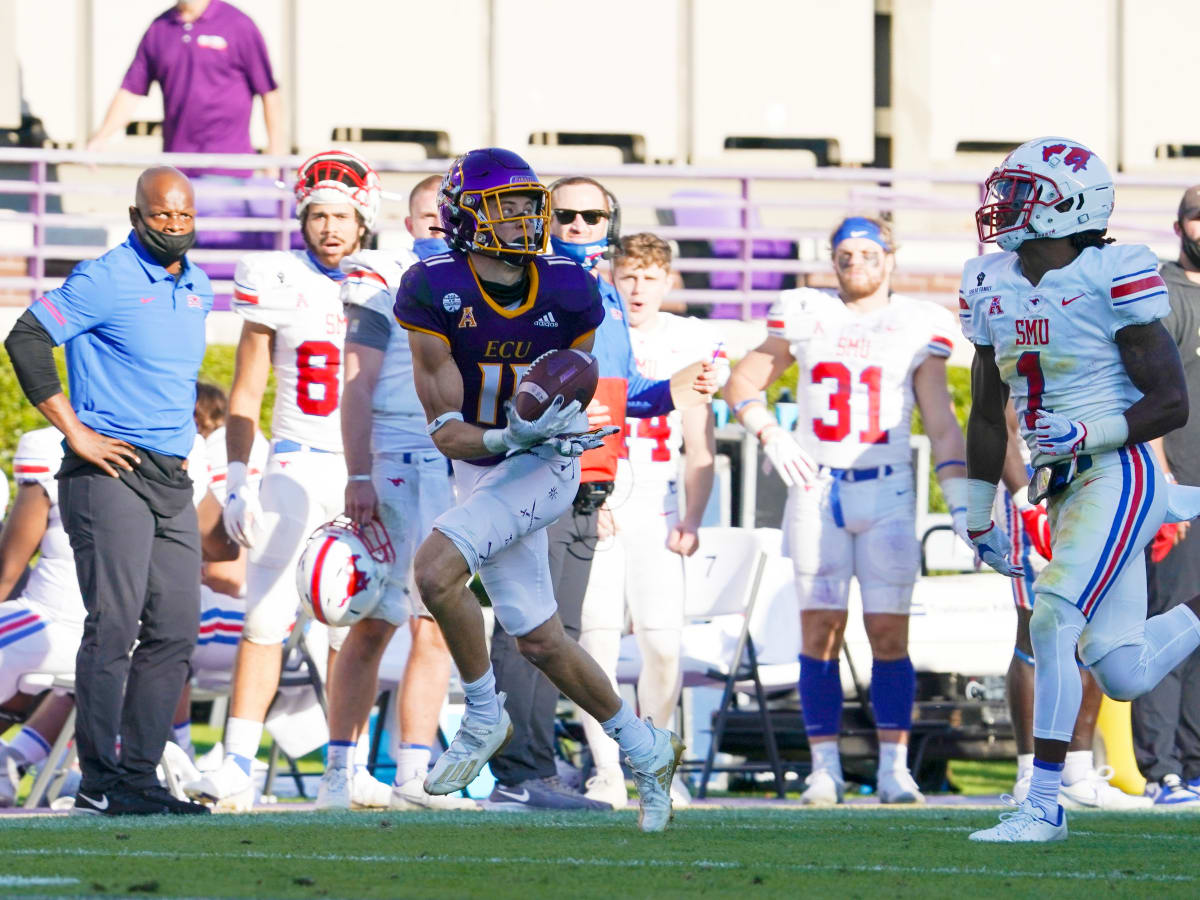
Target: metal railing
740,200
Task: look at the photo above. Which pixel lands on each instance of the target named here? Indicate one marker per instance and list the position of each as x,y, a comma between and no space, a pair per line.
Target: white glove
243,514
521,435
794,466
992,546
1057,435
577,444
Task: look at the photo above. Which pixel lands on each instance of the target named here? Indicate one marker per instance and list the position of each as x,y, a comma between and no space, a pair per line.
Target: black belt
1052,478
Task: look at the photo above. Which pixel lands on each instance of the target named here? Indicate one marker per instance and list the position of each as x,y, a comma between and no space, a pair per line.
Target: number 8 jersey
1055,343
287,292
854,390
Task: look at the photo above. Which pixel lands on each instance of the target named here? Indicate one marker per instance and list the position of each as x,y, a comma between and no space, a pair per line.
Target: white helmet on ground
339,176
343,570
1049,187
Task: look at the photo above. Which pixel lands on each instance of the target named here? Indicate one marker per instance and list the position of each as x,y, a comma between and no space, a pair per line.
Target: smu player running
865,356
1070,325
294,322
477,318
641,567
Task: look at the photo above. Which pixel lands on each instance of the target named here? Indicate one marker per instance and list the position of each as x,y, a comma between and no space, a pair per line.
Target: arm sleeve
646,398
256,62
140,72
31,350
367,328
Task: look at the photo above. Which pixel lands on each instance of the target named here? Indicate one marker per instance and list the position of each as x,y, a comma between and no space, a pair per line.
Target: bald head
164,215
162,185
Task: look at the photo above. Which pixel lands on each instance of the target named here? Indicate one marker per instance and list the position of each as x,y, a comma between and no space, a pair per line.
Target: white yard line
33,880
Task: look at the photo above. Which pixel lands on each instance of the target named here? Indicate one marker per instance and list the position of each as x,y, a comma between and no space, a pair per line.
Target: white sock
1043,789
338,754
481,697
30,746
1024,765
242,737
362,750
412,761
632,735
825,756
1078,766
893,757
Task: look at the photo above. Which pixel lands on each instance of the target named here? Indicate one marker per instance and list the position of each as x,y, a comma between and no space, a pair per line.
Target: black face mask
1191,249
167,249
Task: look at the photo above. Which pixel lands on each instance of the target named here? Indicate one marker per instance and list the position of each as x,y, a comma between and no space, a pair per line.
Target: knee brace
1054,630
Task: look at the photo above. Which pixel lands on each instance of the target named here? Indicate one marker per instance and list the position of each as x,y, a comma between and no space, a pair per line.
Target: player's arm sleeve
1137,292
31,350
414,309
971,318
367,328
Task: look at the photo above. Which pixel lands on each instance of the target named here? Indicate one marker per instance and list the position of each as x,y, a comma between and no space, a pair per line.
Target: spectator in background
1166,720
133,324
582,228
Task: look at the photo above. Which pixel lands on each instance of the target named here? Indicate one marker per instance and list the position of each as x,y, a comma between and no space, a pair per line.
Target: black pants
1166,721
532,699
140,577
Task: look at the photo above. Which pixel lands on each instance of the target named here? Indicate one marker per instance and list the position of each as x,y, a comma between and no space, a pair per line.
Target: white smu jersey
218,462
1055,344
53,583
855,388
660,351
285,291
397,417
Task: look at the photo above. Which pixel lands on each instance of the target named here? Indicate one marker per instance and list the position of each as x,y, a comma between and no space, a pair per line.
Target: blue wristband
949,462
738,407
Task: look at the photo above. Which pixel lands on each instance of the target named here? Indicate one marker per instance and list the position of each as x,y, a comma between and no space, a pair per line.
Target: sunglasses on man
590,216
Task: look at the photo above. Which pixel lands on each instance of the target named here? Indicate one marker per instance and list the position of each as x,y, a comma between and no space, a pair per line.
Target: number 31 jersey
855,391
286,291
1055,343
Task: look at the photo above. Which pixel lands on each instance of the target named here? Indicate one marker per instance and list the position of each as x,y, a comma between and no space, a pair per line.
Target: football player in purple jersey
477,317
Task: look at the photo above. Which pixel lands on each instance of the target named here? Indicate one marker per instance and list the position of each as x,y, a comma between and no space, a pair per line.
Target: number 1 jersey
855,389
1055,343
285,291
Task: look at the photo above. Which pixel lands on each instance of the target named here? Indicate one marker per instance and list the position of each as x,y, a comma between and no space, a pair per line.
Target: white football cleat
334,791
898,787
469,752
412,796
1095,792
368,792
1021,786
653,780
824,789
1026,824
680,795
608,786
228,789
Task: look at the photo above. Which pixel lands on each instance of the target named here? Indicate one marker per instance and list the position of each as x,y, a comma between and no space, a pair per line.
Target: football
572,373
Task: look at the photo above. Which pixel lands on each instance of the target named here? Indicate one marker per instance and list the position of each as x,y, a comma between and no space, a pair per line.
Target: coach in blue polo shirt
133,325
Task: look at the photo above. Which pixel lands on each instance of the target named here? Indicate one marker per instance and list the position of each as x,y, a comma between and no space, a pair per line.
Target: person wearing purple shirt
210,60
476,318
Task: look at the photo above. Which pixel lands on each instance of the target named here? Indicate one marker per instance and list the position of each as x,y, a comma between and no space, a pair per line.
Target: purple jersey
493,346
209,71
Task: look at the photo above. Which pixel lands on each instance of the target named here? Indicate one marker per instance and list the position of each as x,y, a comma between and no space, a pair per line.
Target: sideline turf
864,852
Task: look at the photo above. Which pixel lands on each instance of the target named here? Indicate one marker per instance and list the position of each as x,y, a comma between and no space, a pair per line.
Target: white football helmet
343,570
339,176
1047,188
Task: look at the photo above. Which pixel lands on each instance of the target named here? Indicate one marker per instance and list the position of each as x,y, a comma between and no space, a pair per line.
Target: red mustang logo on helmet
1077,158
358,578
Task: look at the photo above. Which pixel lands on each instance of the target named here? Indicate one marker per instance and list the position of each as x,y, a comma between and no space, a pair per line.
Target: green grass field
864,852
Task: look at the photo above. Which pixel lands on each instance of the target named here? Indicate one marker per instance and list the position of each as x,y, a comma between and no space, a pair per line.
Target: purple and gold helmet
492,188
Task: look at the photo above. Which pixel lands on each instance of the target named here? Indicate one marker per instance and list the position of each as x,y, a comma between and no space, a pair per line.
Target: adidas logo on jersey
547,321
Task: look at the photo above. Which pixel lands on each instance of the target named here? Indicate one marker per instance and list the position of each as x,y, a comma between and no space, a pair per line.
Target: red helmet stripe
314,587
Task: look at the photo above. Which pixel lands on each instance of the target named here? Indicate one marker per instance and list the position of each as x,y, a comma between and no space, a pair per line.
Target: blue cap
859,227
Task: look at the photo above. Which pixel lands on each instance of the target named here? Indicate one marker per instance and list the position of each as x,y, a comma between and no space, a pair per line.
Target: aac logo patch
451,302
994,309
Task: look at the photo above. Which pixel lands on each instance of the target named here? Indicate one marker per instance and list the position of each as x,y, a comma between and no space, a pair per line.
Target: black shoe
116,802
174,806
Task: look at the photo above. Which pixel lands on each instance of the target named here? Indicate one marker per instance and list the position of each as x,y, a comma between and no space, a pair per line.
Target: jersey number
1029,367
314,402
491,374
657,429
839,403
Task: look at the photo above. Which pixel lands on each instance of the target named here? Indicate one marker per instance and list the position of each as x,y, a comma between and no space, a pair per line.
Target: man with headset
584,226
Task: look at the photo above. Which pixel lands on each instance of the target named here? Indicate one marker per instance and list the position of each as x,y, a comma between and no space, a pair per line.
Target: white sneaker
680,795
368,792
412,795
228,789
1027,824
176,769
211,761
334,790
1095,792
469,752
1021,786
608,786
653,780
824,789
10,776
898,787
